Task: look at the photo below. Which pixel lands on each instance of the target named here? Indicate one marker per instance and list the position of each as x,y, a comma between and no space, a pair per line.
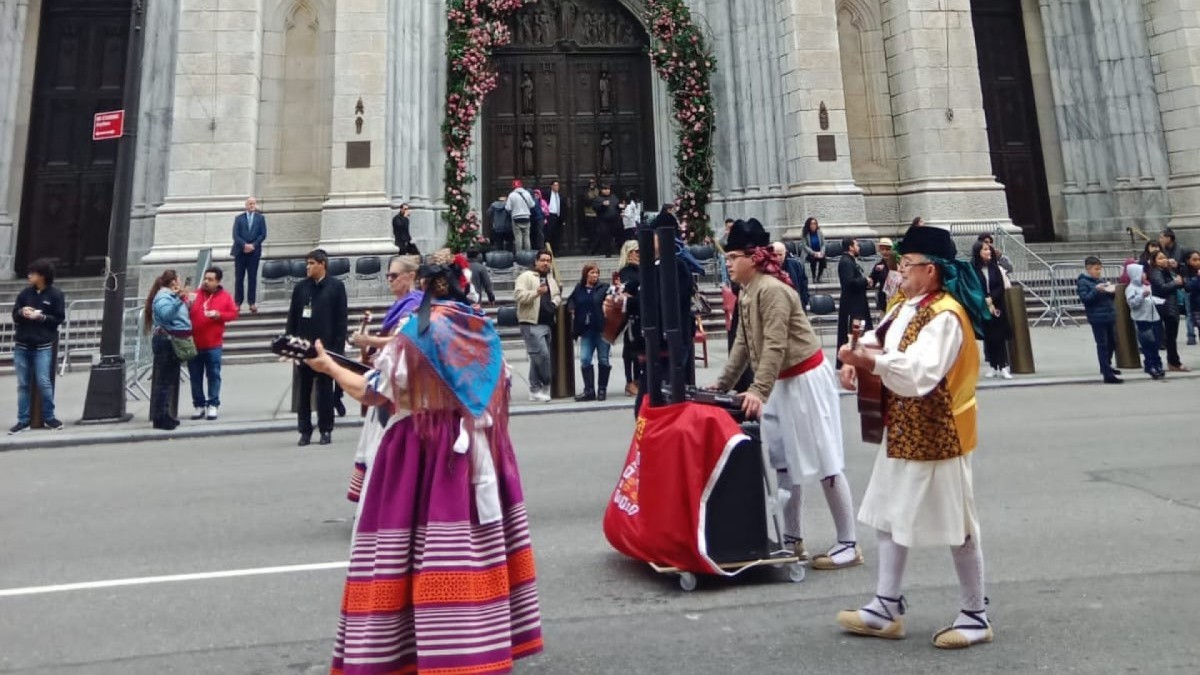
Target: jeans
1190,317
245,266
39,363
592,344
207,363
1106,341
521,235
1149,335
537,345
165,381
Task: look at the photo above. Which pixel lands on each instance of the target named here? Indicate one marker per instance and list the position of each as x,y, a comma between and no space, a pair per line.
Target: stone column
1172,29
356,217
416,98
811,75
13,15
214,129
937,107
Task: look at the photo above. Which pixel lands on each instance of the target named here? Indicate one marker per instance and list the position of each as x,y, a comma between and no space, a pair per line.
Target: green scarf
960,280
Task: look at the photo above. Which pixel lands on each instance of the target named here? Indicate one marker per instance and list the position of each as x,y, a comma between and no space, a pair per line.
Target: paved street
1090,503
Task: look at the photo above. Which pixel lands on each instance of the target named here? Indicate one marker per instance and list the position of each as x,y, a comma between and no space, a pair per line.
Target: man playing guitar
921,491
794,390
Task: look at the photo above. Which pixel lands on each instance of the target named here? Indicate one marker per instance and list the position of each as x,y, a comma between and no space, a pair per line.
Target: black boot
589,386
602,389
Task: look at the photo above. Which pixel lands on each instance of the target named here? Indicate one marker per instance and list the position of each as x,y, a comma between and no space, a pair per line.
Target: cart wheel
687,581
796,573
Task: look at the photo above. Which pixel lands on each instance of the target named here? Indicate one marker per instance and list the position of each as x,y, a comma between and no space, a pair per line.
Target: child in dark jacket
1097,297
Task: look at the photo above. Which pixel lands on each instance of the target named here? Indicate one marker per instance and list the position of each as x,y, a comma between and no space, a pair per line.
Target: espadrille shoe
839,557
852,621
796,547
971,628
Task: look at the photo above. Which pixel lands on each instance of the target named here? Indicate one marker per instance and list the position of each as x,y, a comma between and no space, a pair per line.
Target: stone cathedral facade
1065,119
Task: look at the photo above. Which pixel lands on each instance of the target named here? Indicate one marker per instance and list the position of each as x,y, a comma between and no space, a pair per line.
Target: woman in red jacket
211,308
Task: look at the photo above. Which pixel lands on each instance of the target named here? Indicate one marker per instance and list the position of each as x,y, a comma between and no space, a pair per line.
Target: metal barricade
80,331
1066,282
7,337
139,357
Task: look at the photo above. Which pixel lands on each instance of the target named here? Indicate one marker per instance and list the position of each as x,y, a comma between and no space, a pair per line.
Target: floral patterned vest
941,424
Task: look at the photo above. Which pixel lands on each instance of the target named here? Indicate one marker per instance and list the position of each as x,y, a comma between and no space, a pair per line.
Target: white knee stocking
793,524
887,601
841,507
968,563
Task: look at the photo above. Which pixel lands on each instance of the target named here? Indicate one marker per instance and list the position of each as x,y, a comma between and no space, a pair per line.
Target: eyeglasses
392,276
905,264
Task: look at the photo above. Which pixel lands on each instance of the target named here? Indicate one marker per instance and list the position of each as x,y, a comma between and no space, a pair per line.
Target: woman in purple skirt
441,572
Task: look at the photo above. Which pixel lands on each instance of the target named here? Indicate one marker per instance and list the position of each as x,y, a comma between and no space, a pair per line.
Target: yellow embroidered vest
941,424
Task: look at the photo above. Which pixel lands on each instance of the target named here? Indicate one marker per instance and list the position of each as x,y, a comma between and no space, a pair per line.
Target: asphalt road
1089,498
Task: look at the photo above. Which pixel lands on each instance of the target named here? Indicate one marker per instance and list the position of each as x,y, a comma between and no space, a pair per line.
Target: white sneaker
541,397
212,412
990,373
1006,373
198,414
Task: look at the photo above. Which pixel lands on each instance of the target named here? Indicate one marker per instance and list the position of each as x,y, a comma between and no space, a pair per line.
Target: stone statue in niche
541,28
526,92
524,29
527,154
569,11
823,117
359,111
605,91
606,152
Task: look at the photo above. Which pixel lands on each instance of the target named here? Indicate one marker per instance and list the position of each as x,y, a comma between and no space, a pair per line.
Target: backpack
535,213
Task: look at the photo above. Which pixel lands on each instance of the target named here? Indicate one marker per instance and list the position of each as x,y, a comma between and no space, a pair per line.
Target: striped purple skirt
430,590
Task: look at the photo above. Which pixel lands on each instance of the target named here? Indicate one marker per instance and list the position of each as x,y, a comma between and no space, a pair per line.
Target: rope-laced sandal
838,557
851,620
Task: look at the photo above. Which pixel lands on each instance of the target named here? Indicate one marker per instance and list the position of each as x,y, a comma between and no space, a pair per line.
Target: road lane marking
141,581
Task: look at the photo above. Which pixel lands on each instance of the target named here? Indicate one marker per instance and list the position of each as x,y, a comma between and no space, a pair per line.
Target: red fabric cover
210,333
655,512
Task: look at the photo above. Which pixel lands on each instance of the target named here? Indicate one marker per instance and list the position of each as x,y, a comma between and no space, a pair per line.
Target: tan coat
773,333
528,300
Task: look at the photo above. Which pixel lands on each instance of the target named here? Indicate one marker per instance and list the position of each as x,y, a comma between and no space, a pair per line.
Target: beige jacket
527,297
773,333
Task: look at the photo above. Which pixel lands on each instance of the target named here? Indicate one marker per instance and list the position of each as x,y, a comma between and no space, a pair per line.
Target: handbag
185,348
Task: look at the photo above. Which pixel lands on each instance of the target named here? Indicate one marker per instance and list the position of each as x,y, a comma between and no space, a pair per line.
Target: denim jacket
171,313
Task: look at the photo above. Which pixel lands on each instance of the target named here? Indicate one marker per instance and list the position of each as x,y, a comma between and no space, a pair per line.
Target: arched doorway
573,102
1011,110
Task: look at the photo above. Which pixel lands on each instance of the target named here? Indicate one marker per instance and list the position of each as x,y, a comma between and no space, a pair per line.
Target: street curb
36,439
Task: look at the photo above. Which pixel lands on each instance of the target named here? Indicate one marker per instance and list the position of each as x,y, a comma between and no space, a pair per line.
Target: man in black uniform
853,302
318,311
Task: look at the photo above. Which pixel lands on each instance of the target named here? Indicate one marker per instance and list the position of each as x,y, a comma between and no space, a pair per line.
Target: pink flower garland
474,29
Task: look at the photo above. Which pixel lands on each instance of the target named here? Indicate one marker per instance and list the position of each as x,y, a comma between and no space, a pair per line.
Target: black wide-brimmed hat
747,234
926,240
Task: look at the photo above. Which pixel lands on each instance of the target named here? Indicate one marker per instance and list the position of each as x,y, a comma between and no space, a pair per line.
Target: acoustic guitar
299,349
872,395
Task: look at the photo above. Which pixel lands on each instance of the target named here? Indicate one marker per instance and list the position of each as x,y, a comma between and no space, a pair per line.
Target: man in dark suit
554,218
318,312
853,302
249,232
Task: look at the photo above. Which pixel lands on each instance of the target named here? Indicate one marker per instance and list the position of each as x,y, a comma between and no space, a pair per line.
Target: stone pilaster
13,16
214,129
1172,28
1106,108
356,217
806,39
937,107
417,83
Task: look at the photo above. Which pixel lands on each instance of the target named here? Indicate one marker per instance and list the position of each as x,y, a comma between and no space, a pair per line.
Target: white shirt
918,370
555,206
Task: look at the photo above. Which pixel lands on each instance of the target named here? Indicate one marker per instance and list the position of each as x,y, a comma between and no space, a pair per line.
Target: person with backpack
519,206
502,231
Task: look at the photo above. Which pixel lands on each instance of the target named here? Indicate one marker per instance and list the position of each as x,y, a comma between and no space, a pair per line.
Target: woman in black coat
996,332
1166,283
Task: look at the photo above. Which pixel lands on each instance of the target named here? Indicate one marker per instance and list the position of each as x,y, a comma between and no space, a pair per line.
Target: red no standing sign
108,125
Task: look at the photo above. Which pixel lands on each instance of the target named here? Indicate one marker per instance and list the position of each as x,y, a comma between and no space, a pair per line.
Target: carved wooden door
67,203
1011,111
573,103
